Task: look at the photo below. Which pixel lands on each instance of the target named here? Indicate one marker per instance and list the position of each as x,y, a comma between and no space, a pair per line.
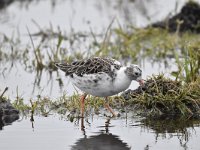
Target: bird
100,77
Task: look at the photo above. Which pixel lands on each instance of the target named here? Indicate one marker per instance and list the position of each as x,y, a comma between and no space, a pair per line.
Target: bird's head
134,73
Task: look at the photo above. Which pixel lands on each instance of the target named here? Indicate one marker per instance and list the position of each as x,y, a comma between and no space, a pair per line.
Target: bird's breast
101,85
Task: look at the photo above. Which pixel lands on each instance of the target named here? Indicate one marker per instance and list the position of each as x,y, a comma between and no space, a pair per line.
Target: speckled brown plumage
101,77
90,66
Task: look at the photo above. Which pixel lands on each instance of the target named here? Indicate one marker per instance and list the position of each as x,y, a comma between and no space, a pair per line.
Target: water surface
56,131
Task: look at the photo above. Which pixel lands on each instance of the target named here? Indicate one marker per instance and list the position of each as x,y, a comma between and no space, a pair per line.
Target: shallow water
57,132
83,15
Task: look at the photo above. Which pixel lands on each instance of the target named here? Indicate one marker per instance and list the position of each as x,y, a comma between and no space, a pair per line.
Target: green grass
189,65
64,105
132,45
161,96
164,96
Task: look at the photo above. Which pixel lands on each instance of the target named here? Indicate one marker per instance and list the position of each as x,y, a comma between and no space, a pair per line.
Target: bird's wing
90,66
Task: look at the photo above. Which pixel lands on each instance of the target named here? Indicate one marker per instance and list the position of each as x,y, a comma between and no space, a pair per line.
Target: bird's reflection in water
102,141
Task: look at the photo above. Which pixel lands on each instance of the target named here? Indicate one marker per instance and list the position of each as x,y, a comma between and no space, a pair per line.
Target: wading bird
101,77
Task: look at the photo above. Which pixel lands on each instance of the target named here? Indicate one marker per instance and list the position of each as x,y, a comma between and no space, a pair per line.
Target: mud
187,20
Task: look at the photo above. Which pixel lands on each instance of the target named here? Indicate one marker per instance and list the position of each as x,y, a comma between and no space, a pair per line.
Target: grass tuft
163,96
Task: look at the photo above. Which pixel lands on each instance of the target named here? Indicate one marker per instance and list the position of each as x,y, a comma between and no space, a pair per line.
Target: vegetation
180,97
159,96
65,106
132,45
168,106
189,66
163,96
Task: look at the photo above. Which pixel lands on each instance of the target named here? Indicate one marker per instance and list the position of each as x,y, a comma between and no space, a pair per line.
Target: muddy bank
8,113
187,20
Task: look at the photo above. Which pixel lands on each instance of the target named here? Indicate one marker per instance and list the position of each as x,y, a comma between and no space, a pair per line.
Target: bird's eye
136,73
